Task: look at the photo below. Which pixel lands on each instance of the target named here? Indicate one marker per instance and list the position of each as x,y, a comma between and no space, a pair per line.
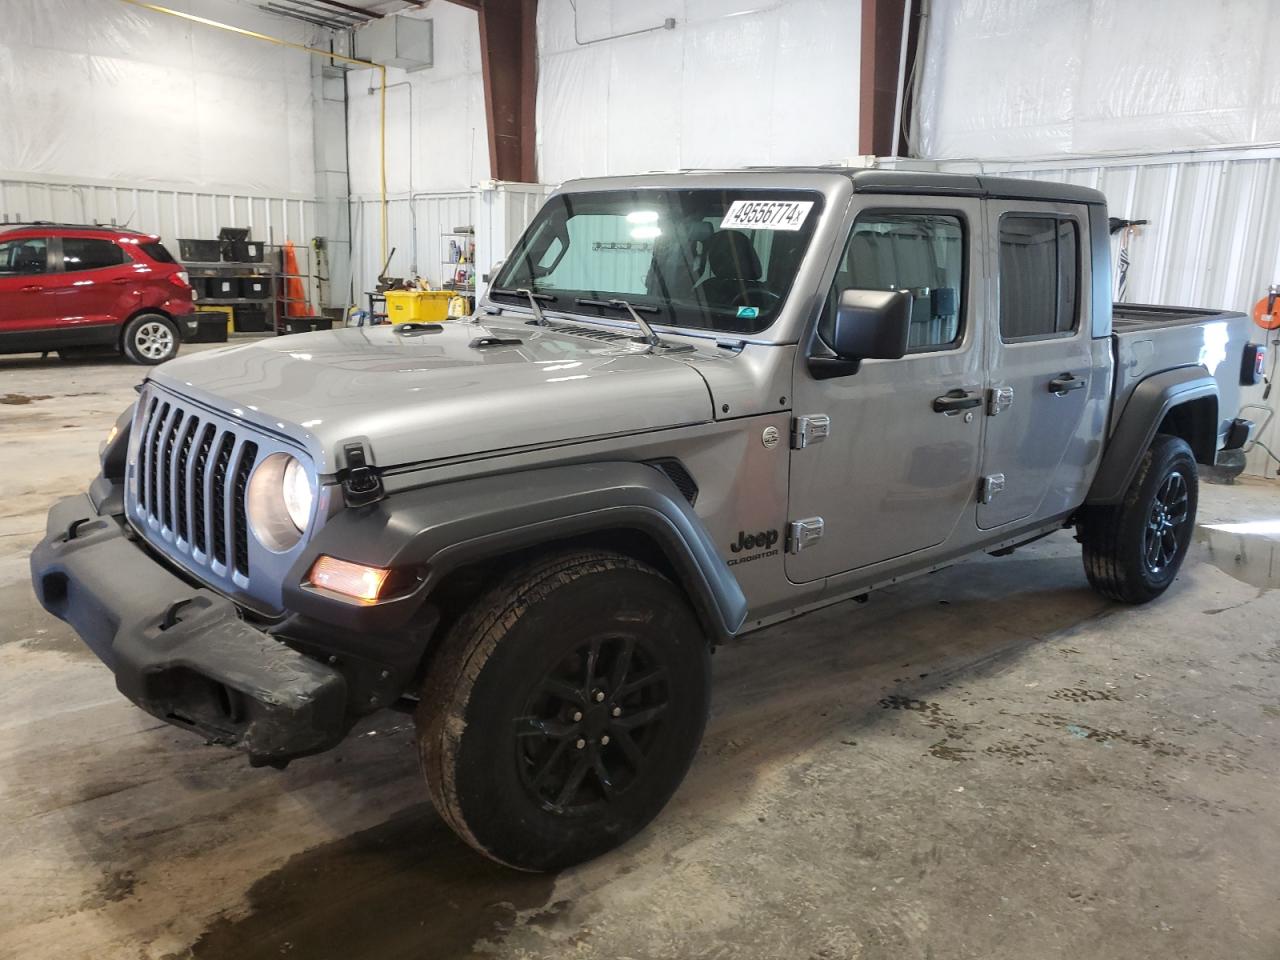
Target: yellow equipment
418,306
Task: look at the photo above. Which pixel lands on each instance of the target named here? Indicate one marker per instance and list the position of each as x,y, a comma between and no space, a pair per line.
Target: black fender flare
1150,402
442,527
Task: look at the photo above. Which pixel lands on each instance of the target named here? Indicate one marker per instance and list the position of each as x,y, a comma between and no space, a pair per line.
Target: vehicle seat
677,266
29,259
733,265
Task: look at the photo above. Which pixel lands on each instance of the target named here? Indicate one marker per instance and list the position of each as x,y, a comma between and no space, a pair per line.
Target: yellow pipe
382,71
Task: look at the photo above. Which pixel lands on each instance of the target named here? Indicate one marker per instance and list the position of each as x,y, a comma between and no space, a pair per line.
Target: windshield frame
829,191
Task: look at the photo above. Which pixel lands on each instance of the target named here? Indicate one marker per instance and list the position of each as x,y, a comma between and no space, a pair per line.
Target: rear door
25,304
897,469
97,285
1045,399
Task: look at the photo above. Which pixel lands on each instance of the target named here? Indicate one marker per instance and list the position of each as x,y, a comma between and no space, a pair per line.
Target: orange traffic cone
295,291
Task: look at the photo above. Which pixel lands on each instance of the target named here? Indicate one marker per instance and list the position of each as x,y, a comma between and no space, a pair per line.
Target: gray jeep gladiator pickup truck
690,406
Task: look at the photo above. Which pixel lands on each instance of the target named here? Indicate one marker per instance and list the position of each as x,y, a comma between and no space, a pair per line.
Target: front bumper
183,653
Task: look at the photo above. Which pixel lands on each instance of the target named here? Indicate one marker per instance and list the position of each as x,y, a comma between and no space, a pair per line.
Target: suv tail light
1254,368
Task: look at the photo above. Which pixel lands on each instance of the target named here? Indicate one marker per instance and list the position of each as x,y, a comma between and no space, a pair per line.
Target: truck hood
437,393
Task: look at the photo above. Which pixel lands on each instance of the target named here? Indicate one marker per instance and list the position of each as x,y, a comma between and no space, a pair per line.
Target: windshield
720,260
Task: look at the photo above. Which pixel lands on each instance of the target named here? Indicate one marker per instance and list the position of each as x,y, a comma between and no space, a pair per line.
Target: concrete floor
990,762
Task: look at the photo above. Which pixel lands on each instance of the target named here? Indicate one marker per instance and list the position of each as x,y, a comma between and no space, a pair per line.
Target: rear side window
26,256
86,254
1039,276
157,252
922,253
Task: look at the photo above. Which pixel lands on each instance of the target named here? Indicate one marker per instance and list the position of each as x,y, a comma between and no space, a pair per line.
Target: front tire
150,338
1133,551
564,709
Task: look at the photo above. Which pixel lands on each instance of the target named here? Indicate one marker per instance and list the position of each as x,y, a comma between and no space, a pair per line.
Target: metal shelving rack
274,255
466,240
236,270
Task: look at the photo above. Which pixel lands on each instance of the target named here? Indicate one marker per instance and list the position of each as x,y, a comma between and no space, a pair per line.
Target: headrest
731,256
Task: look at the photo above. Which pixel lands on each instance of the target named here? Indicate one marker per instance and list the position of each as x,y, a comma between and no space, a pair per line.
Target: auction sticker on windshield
766,214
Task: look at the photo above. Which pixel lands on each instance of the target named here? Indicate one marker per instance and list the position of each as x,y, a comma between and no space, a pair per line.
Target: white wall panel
97,90
1214,236
1043,78
733,84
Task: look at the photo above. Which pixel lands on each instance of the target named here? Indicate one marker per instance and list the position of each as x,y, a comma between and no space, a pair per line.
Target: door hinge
1001,399
991,485
804,533
809,430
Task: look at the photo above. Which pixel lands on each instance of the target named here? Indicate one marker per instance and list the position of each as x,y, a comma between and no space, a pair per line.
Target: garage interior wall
731,84
111,112
437,150
1169,107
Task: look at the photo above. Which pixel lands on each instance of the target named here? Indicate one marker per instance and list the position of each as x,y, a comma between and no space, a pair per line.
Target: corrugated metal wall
416,229
170,213
1214,236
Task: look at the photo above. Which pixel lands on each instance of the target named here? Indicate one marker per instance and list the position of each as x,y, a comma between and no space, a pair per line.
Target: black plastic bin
199,251
251,319
306,324
255,288
210,328
242,251
219,288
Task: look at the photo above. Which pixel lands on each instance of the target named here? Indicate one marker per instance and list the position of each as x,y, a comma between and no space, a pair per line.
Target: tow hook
361,485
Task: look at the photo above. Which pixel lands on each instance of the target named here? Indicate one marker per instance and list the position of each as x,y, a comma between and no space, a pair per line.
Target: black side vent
678,475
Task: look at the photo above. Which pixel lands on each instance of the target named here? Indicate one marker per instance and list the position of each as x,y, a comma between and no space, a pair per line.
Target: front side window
721,260
25,256
81,254
1039,276
922,253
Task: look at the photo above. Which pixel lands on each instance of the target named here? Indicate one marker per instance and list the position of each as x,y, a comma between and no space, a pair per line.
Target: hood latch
362,484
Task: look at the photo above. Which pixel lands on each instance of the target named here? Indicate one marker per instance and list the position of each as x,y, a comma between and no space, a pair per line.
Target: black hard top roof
950,184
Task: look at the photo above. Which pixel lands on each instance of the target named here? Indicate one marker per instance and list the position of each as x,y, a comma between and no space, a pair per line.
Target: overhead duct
404,42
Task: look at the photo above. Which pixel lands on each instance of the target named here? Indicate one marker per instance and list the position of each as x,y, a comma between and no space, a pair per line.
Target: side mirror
872,324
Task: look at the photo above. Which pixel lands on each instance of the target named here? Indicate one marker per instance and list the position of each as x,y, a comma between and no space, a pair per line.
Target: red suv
67,287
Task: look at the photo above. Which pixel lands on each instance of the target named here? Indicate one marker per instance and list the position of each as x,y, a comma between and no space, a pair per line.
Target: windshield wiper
648,334
533,299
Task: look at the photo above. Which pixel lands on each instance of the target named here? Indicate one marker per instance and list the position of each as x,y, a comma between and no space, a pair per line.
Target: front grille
193,476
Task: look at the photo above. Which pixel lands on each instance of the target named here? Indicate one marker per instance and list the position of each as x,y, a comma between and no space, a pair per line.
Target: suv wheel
564,709
150,338
1133,551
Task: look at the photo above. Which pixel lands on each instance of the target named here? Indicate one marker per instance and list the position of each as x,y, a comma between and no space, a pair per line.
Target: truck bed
1148,338
1132,317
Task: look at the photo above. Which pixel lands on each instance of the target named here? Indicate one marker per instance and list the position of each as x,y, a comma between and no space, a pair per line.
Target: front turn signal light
354,580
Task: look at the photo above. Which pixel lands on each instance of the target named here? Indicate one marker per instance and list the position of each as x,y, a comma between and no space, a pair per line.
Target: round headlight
298,497
279,501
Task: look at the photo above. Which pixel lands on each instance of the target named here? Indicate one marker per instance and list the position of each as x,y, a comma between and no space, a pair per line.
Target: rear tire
564,709
150,338
1133,550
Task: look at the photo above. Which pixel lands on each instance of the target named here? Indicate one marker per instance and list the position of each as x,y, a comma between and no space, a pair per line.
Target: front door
898,468
1045,399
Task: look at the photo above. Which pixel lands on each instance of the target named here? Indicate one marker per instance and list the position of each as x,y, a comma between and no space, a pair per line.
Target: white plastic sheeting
1044,78
98,90
1214,236
735,83
437,137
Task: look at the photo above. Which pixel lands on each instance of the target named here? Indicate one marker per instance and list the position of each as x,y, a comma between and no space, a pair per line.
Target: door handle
1061,386
122,281
31,288
955,401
